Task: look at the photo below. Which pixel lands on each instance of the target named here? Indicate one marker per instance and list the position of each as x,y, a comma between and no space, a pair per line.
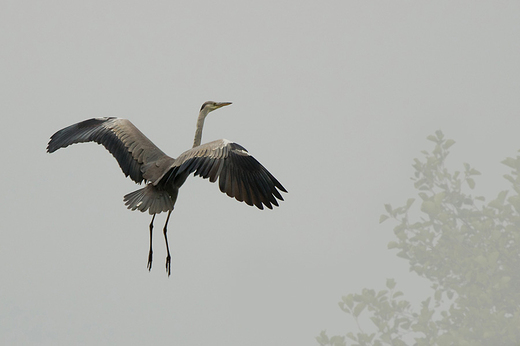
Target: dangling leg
168,258
150,257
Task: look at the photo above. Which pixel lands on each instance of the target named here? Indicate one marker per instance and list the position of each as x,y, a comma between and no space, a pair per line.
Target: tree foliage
468,249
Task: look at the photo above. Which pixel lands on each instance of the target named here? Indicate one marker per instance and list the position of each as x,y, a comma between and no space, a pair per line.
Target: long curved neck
200,124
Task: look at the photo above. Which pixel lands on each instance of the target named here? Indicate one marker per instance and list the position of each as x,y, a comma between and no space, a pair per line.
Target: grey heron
239,174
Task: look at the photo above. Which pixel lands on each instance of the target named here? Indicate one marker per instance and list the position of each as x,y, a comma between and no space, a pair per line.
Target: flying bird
239,174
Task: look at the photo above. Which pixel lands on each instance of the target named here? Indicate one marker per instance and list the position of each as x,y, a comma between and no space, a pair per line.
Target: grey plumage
238,173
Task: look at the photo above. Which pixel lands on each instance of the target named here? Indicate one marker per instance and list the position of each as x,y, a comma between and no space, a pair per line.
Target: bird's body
239,174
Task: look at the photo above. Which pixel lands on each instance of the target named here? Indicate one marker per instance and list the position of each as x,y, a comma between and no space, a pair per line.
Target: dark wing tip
75,133
281,188
261,187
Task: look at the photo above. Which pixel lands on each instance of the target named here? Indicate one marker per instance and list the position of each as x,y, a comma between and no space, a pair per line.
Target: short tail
149,198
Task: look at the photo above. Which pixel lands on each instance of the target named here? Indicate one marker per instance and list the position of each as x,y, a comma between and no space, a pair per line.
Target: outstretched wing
240,175
137,156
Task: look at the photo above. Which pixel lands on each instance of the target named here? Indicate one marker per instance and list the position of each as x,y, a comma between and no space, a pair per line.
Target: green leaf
423,195
392,245
502,196
397,294
388,208
473,171
510,162
348,300
510,178
383,218
359,308
471,183
390,283
432,138
438,295
323,339
338,341
438,198
429,207
448,143
381,293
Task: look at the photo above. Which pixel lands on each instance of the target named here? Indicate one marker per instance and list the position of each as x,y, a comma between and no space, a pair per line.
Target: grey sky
334,98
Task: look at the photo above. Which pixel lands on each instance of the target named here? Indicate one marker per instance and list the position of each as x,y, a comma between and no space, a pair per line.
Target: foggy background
335,98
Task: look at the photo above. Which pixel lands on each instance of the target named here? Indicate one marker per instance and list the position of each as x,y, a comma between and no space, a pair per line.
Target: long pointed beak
222,104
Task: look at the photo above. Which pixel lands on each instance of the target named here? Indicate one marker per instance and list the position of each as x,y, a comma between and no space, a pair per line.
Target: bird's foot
150,259
168,265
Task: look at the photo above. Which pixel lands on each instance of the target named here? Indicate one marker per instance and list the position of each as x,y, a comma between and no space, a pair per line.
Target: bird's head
210,106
